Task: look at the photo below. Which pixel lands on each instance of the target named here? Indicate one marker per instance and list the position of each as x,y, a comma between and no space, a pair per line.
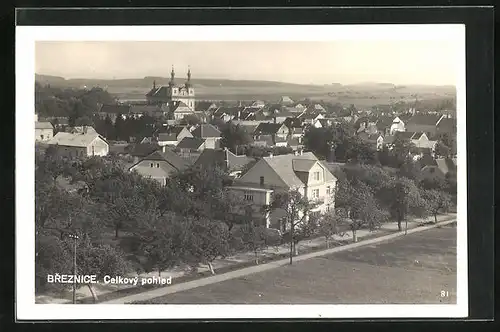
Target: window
93,150
151,165
316,176
41,136
315,193
328,190
157,165
261,180
248,197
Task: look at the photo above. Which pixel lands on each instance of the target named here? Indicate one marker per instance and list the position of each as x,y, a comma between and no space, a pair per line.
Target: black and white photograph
240,170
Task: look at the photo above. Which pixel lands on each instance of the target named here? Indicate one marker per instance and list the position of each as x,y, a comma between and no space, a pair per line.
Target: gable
262,168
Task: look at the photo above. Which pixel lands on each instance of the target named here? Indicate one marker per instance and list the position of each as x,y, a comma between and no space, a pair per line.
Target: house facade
210,134
159,165
173,135
297,171
44,131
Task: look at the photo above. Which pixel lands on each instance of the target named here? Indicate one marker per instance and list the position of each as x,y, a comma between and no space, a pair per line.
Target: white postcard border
26,36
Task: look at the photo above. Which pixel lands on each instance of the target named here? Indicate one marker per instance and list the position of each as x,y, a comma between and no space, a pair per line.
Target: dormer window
316,176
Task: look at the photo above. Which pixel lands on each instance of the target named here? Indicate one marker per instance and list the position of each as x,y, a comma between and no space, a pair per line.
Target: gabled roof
267,128
286,99
167,137
404,134
303,165
223,158
206,130
268,139
283,166
424,119
181,107
190,143
141,150
115,109
76,140
293,122
169,156
43,125
293,142
447,125
204,105
383,122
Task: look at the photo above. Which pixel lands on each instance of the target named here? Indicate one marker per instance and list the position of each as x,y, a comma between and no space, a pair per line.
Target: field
361,95
409,270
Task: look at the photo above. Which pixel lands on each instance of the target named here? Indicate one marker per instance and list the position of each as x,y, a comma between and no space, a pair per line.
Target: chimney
296,152
270,154
301,152
164,148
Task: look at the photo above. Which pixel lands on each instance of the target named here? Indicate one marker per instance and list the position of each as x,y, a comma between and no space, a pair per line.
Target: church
180,98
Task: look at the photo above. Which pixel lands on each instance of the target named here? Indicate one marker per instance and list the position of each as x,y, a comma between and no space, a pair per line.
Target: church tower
173,93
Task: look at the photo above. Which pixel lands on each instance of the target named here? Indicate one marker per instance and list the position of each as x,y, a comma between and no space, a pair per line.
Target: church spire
154,84
189,74
172,75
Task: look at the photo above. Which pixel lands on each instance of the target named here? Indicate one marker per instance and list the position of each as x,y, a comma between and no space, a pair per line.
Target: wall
46,133
160,173
101,148
71,151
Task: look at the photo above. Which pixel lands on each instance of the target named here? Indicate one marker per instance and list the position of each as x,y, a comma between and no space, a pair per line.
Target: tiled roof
181,107
293,142
141,150
204,105
268,139
303,165
164,137
220,156
283,165
115,108
424,119
383,122
206,130
286,99
77,140
190,143
293,122
43,125
169,156
447,125
404,134
267,128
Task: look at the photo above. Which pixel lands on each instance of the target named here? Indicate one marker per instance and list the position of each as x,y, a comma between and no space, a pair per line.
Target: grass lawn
411,269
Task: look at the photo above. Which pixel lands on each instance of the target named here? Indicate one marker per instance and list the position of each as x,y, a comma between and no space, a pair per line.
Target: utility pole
75,238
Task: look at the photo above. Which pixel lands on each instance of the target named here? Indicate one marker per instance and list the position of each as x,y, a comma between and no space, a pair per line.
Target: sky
431,62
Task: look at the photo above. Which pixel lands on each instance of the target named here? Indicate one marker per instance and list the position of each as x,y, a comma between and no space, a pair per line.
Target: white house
79,144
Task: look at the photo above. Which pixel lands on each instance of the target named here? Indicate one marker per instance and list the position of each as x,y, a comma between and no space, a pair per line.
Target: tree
405,199
401,150
253,237
437,201
163,240
234,136
363,210
207,240
97,259
329,225
295,209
